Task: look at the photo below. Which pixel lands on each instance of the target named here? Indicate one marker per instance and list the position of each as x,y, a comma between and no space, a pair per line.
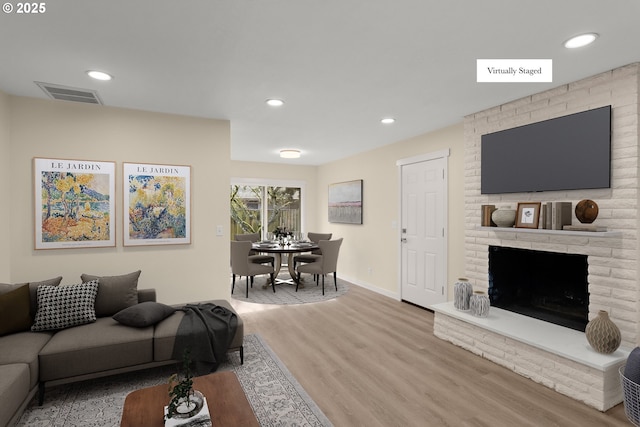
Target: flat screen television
566,153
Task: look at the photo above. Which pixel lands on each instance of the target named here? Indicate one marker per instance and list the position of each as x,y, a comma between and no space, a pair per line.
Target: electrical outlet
219,230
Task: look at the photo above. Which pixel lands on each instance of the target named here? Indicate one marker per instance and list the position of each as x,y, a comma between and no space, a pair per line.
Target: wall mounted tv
566,153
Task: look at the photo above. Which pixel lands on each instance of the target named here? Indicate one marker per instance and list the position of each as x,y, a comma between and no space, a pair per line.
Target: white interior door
423,251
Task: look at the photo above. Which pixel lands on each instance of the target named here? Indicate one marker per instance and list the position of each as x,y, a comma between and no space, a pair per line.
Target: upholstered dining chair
314,254
242,266
324,264
254,256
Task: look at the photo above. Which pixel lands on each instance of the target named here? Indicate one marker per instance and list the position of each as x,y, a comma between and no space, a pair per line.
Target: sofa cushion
95,347
15,313
33,290
24,347
14,389
61,307
115,292
143,314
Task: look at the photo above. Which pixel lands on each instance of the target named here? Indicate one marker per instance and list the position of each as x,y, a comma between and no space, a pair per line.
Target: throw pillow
33,290
61,307
14,311
115,292
144,314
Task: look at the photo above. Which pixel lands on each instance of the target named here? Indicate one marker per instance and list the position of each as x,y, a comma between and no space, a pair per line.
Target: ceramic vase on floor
603,335
479,304
462,291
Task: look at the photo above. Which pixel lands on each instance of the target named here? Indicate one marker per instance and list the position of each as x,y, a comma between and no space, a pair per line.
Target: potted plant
184,402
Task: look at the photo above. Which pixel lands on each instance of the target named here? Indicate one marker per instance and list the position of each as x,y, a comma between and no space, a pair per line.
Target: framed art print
528,215
345,202
157,204
74,203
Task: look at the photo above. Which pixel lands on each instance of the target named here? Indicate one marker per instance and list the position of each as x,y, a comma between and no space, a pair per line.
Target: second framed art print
157,204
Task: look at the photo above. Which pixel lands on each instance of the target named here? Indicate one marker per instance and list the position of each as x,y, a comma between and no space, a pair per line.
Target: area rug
260,293
276,397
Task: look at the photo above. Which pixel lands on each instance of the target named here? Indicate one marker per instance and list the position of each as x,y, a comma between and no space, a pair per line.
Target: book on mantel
585,227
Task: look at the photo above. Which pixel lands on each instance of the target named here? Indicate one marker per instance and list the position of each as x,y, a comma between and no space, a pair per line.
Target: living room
40,128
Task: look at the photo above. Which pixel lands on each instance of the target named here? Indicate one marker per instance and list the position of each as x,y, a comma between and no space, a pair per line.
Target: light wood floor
368,360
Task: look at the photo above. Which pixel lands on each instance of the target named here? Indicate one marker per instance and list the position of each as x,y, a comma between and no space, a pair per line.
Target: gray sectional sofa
141,338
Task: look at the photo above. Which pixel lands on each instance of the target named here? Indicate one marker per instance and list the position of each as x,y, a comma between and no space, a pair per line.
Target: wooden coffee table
228,405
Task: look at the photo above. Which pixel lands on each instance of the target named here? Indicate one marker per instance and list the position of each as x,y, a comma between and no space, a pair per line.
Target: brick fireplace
613,258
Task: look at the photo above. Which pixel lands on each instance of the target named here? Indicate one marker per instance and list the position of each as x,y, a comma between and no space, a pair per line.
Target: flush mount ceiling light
275,102
388,120
580,40
99,75
290,154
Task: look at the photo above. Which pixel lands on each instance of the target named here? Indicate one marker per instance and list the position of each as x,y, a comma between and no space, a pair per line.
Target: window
262,208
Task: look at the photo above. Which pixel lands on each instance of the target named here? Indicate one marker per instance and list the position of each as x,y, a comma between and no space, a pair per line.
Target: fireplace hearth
548,286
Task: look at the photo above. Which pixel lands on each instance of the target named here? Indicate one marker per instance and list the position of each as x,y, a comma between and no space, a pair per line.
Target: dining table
278,250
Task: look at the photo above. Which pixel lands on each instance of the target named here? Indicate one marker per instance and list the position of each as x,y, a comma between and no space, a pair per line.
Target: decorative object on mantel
603,335
586,211
479,304
486,220
462,291
184,401
504,217
528,215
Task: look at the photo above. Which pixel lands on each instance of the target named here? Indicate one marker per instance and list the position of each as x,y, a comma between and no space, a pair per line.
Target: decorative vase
586,211
462,291
187,408
603,335
504,217
632,367
479,304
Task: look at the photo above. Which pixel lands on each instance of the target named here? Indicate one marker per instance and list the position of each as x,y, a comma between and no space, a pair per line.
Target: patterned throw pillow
61,307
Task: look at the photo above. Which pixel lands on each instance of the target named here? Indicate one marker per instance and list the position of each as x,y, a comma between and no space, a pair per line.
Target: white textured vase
479,304
462,291
504,217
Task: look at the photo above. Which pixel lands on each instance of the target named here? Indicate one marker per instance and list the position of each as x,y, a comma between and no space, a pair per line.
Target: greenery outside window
262,208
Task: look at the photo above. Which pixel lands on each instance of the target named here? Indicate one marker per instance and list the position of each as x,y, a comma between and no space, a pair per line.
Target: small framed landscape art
345,202
528,215
157,204
74,203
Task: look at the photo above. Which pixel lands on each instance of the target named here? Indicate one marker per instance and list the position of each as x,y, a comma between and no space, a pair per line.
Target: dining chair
324,264
242,266
254,256
314,254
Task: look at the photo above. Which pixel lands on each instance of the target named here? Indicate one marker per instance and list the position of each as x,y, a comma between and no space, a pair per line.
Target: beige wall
370,253
180,273
5,189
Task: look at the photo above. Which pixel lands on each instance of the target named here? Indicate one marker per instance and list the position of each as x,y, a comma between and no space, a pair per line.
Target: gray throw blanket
206,330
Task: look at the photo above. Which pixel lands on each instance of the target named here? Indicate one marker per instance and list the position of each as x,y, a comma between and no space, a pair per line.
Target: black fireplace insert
548,286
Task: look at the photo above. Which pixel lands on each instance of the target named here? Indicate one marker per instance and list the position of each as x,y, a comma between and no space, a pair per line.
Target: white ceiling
339,65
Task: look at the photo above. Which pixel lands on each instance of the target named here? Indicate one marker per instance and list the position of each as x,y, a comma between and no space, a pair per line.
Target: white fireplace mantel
607,234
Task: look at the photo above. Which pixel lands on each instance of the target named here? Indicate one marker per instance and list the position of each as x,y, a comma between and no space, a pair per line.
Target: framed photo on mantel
157,204
528,215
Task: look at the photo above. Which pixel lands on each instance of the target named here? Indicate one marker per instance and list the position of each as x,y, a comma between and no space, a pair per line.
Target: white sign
514,70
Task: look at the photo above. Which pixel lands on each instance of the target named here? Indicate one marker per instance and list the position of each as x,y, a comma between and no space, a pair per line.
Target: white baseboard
385,292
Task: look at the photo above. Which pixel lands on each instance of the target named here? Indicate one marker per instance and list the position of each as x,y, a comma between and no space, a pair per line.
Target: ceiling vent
66,93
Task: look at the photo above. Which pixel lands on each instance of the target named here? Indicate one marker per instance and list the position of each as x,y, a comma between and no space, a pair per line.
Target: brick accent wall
613,262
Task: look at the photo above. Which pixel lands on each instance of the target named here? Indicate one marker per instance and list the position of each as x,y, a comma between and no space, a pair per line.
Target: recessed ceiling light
275,102
99,75
388,120
290,154
581,40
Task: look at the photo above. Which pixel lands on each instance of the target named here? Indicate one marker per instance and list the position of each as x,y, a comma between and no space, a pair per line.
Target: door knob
403,240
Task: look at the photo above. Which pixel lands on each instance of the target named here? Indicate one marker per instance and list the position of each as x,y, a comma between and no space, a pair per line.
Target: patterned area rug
260,293
276,397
